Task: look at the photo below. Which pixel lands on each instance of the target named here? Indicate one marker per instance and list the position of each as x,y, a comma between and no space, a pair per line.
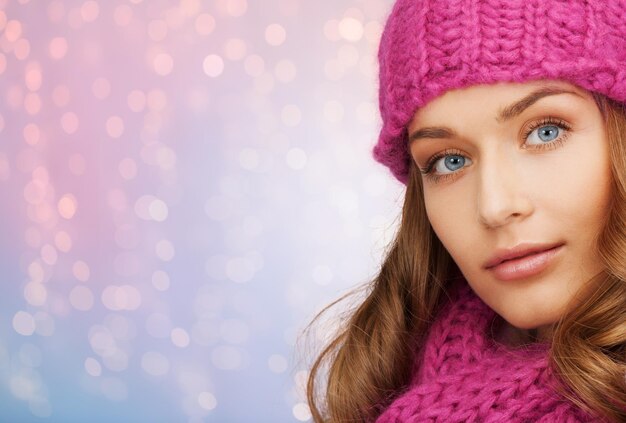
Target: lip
523,260
519,250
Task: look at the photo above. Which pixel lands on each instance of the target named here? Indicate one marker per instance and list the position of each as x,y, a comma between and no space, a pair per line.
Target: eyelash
538,124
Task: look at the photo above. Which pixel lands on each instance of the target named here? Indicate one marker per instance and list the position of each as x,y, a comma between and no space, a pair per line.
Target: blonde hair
380,336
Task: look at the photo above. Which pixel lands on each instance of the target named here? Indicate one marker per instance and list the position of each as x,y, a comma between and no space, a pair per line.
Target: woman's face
512,167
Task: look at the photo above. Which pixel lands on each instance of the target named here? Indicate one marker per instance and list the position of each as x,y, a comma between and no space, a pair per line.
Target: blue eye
545,134
450,163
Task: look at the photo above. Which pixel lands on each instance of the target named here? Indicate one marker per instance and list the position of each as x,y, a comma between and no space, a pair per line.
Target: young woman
503,296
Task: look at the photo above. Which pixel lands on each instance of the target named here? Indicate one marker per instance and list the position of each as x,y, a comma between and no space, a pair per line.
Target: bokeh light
275,34
24,323
213,65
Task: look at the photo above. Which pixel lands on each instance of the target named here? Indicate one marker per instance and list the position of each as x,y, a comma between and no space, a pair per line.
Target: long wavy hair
369,360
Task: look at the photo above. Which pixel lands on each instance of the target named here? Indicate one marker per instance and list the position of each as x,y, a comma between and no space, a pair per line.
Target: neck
508,334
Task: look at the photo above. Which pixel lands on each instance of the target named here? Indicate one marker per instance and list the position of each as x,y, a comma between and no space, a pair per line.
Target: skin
509,191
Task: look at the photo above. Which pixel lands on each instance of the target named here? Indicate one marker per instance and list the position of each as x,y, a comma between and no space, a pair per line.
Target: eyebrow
504,115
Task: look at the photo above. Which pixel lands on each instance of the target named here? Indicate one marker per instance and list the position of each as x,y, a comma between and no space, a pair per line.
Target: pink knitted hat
431,46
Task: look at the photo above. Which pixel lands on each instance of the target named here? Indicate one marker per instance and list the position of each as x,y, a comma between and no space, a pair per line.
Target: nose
502,191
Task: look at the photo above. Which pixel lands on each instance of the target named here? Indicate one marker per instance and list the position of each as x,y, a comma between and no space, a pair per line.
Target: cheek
452,219
577,190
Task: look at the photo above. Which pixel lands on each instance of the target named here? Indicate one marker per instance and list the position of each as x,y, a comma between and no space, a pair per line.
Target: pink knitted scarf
466,376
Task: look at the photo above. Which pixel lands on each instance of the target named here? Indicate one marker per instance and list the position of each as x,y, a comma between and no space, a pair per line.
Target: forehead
485,98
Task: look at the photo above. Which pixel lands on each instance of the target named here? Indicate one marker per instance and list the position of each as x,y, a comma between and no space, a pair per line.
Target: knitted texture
431,46
466,376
